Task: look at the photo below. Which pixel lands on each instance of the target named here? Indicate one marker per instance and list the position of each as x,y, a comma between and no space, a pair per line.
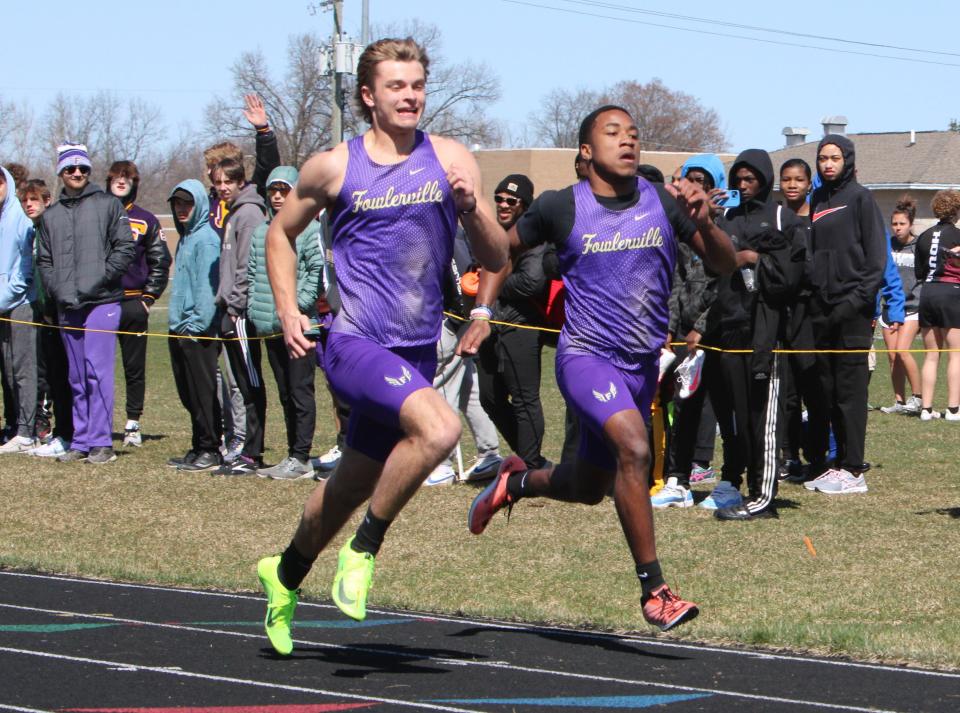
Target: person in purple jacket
143,283
394,195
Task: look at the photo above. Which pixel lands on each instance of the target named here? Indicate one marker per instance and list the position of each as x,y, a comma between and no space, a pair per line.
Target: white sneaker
131,434
667,358
443,474
19,444
724,495
929,415
844,483
672,495
948,415
897,407
55,448
329,460
688,373
912,406
483,468
827,476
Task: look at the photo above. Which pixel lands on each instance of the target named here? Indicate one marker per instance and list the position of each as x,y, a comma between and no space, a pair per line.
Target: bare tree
298,105
557,123
111,128
669,120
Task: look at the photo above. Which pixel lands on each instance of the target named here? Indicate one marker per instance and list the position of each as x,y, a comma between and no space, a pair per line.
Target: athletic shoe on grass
54,449
241,465
929,415
898,407
665,610
353,581
845,483
443,474
202,462
131,434
329,460
702,474
281,603
821,480
19,444
483,468
672,495
101,454
290,468
72,456
494,497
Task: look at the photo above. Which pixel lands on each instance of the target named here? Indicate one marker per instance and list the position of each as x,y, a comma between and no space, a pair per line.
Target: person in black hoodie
849,258
750,312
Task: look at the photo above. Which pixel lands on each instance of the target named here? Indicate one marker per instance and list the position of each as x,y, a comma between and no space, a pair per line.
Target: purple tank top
393,229
618,270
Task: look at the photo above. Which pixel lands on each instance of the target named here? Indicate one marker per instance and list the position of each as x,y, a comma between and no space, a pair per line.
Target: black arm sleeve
268,158
683,226
158,262
549,219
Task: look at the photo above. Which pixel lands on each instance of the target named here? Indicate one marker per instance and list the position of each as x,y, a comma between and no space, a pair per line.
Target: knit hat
516,184
72,155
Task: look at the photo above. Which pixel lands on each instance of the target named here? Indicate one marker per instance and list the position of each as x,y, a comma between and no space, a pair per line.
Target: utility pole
365,32
336,59
336,89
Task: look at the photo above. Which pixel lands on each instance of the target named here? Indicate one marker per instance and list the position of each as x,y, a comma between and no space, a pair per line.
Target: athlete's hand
294,325
471,340
893,327
461,182
254,111
693,201
693,340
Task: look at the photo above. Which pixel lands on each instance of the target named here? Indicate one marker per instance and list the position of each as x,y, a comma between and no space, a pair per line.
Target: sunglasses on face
282,190
73,169
509,200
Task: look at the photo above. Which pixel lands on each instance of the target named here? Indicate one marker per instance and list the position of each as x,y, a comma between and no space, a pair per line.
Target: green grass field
883,585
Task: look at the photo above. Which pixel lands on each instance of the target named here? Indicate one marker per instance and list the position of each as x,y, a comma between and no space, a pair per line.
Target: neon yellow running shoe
281,603
353,581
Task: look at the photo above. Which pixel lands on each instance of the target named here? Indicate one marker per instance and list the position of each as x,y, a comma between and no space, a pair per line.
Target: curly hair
946,205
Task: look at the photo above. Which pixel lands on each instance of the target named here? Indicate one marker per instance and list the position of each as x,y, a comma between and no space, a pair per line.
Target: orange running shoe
494,497
666,610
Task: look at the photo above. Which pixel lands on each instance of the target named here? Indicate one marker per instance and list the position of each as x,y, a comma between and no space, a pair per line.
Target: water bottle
748,279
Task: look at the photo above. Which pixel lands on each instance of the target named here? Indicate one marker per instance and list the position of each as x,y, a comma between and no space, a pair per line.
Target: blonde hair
221,152
386,50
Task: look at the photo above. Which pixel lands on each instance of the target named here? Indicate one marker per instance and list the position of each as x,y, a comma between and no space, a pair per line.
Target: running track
83,646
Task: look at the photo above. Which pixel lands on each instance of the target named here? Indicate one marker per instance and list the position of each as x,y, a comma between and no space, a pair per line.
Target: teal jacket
196,271
261,309
16,251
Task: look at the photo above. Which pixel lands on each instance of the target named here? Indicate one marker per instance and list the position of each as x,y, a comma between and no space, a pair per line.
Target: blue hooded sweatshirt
16,251
711,164
196,272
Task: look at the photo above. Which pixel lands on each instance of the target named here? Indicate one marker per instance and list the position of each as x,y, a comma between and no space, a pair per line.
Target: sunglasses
283,190
509,200
73,169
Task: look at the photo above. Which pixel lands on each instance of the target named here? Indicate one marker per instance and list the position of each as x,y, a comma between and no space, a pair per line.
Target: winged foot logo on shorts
603,398
404,378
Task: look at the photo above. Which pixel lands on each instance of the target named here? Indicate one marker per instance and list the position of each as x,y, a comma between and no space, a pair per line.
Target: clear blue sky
178,53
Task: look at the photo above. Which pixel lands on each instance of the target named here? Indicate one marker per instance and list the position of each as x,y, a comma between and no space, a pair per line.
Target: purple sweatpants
90,359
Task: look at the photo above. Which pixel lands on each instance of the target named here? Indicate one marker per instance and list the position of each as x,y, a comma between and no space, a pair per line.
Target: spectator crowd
774,356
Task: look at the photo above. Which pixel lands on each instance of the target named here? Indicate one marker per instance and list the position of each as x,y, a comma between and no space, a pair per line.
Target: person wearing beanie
18,342
849,256
508,364
84,250
143,283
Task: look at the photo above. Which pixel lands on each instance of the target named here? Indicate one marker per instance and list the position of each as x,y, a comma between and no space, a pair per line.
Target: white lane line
507,626
230,679
21,709
503,665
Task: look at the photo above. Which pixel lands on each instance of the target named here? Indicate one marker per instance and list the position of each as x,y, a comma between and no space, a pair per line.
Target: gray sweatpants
456,380
18,347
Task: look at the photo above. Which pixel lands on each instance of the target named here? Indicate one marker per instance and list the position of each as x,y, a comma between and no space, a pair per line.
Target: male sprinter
394,195
616,238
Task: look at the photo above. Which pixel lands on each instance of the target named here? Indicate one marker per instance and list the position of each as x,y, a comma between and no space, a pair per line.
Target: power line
723,23
726,34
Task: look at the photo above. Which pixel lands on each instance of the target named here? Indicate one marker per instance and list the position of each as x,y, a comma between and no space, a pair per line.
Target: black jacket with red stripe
848,237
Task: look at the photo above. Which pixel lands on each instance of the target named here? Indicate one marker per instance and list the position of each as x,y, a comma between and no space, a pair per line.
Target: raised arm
709,242
320,179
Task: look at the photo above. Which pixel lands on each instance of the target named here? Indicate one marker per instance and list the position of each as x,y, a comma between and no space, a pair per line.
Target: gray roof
889,160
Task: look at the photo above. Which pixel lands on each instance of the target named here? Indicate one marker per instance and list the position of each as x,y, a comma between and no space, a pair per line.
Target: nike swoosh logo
828,211
343,595
271,617
640,217
415,171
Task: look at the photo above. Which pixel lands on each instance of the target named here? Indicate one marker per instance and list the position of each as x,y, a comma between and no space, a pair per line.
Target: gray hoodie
246,213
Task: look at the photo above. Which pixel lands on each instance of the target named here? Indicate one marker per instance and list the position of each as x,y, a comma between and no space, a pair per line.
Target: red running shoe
494,497
666,610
